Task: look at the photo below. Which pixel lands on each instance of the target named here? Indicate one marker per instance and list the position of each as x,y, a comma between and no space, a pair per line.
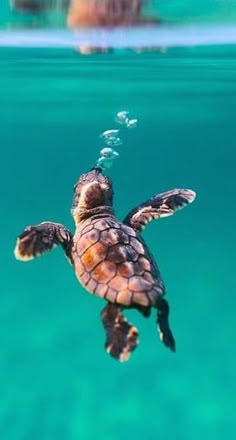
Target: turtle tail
121,336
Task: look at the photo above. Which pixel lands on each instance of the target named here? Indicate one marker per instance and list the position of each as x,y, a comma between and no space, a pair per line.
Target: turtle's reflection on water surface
39,6
80,13
107,13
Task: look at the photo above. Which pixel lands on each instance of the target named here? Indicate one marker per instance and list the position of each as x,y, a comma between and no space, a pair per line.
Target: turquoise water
57,382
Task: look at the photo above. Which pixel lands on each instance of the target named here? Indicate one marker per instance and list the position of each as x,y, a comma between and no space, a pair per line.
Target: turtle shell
111,261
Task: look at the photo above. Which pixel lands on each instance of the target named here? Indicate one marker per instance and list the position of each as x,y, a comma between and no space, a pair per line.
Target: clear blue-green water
56,380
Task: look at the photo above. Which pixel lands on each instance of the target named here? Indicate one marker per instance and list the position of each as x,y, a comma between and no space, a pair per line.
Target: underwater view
57,380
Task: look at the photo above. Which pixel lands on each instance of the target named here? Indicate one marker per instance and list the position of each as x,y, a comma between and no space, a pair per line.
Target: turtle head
93,193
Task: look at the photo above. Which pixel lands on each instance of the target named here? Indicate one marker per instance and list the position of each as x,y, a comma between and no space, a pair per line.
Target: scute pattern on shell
113,262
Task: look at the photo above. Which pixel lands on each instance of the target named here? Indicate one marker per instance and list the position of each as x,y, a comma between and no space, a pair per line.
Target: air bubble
113,142
109,134
109,153
132,123
104,162
122,117
111,139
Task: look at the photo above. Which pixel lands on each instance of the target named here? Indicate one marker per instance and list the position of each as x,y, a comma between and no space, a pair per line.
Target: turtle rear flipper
166,335
122,337
37,239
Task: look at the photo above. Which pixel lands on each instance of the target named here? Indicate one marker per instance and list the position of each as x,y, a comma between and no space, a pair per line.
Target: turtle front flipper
37,239
166,335
122,337
161,205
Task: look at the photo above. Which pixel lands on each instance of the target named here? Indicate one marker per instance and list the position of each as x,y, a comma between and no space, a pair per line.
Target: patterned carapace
113,262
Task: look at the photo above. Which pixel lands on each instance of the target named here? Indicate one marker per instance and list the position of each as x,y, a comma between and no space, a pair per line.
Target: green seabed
57,382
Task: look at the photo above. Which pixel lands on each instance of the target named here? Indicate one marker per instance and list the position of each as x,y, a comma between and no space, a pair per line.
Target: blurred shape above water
107,13
107,25
57,13
38,13
29,5
39,5
89,12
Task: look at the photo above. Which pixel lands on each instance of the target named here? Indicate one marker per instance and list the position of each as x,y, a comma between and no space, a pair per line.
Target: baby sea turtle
109,257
